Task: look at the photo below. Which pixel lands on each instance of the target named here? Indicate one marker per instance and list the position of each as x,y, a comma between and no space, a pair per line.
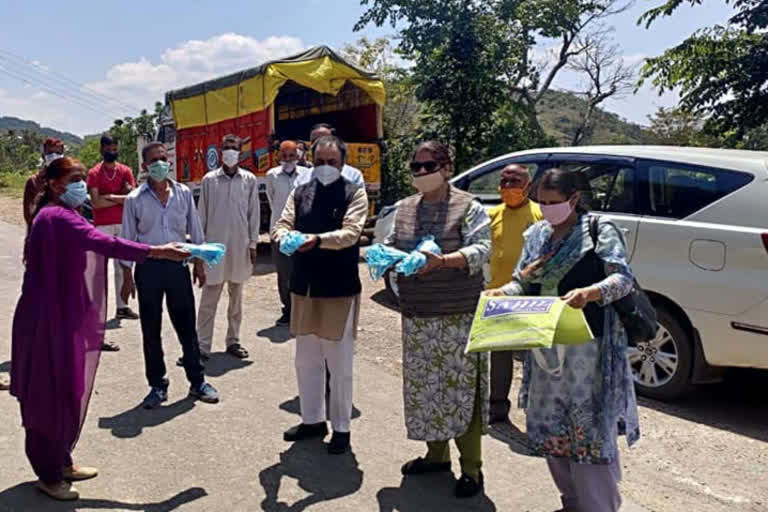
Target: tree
461,52
89,153
20,151
571,22
127,130
721,72
607,76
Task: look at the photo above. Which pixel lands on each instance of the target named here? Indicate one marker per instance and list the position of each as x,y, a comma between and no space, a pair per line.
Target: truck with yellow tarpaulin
276,101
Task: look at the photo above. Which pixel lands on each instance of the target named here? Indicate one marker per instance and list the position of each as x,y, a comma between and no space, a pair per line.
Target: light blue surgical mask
158,170
75,195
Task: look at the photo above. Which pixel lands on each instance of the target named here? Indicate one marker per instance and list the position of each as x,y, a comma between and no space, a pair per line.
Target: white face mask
289,166
50,157
230,157
327,174
428,182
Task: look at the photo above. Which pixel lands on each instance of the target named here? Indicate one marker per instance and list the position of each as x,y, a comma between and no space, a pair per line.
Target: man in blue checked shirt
161,209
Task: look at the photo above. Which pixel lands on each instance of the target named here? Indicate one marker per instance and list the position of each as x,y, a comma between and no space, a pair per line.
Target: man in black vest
325,291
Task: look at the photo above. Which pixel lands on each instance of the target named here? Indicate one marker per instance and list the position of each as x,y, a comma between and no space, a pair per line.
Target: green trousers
469,445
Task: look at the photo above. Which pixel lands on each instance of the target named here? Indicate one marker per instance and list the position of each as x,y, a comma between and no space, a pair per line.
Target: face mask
428,182
158,171
50,157
289,166
75,195
230,157
110,157
558,213
513,197
327,174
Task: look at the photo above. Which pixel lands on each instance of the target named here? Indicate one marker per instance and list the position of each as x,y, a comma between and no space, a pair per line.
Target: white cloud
142,82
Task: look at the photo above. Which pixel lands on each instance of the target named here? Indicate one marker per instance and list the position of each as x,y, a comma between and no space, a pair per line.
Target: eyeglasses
429,166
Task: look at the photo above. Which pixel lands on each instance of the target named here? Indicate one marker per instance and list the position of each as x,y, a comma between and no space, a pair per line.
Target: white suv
696,225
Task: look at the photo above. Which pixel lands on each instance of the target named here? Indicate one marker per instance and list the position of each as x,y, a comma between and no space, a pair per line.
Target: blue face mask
75,195
158,171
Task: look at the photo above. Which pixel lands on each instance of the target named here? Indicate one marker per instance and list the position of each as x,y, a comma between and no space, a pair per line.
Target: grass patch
12,184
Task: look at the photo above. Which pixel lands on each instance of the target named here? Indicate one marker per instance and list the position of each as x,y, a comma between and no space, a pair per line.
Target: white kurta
229,213
279,186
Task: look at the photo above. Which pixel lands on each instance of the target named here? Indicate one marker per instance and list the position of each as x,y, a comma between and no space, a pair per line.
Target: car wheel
662,366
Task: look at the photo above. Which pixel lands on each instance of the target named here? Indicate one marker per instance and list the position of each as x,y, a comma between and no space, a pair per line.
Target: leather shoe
339,443
302,432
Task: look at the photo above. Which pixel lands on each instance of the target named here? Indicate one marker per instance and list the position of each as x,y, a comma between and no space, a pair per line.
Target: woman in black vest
578,402
445,390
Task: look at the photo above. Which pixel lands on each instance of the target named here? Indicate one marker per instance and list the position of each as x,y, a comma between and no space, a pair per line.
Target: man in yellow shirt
509,221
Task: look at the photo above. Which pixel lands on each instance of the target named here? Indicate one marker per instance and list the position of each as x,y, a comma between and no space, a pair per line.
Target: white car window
486,186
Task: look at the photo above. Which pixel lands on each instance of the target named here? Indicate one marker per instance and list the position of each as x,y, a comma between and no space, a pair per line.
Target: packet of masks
291,241
211,254
380,257
416,259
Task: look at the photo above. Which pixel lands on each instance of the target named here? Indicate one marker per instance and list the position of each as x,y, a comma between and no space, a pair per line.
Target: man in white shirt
229,213
352,174
280,182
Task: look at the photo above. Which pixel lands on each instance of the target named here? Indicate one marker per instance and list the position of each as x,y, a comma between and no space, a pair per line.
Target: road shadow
509,434
739,404
293,406
132,422
383,298
276,334
429,492
221,363
113,324
324,477
26,497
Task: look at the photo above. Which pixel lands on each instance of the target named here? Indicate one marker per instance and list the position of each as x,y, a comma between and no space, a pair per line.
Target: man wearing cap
229,213
509,221
109,183
350,173
52,149
280,182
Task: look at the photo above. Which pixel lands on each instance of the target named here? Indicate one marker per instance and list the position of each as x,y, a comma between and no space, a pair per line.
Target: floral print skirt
439,379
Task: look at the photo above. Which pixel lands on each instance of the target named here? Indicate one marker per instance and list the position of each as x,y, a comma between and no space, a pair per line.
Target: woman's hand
580,297
171,252
434,262
496,292
528,271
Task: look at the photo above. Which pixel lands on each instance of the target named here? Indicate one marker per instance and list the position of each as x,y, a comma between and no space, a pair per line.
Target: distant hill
14,123
560,115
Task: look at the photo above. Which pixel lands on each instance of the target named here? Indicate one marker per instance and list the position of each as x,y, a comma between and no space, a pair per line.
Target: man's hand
309,244
199,273
254,254
496,292
128,290
126,189
434,262
580,297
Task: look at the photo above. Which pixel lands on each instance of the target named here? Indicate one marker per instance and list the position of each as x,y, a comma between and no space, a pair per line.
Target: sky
79,65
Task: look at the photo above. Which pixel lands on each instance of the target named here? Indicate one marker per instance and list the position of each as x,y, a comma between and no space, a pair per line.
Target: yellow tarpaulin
231,97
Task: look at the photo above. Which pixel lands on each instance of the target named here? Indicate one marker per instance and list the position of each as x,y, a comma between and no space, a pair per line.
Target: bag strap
538,356
594,228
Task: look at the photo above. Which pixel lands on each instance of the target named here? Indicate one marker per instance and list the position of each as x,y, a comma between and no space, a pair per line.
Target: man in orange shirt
509,221
109,183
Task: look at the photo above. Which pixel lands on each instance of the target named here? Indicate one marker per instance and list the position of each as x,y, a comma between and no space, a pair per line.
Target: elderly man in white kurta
229,212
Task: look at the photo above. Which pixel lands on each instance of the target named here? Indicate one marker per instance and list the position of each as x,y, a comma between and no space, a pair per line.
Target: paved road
230,457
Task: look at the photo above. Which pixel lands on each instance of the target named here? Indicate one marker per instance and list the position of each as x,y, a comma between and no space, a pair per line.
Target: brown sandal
238,351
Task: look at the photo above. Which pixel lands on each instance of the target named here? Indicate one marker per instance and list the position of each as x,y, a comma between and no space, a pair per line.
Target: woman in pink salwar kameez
58,327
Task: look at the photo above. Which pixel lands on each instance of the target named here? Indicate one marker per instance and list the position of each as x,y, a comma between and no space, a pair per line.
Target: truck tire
662,367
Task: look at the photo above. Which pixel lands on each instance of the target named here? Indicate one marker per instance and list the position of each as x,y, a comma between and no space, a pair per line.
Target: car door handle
625,230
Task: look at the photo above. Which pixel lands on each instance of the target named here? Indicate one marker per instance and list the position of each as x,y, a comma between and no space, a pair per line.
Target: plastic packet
291,241
411,263
380,257
211,254
428,244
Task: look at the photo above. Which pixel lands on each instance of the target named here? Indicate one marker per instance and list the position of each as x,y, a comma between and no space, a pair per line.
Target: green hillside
560,114
20,125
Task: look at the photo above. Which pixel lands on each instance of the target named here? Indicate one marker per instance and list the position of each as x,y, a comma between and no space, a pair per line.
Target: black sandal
468,487
238,351
420,466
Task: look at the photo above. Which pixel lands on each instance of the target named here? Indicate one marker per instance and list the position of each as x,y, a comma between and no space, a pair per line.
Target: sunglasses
429,166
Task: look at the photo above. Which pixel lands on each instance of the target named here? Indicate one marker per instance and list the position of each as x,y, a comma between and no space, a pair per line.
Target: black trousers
156,280
283,265
501,382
